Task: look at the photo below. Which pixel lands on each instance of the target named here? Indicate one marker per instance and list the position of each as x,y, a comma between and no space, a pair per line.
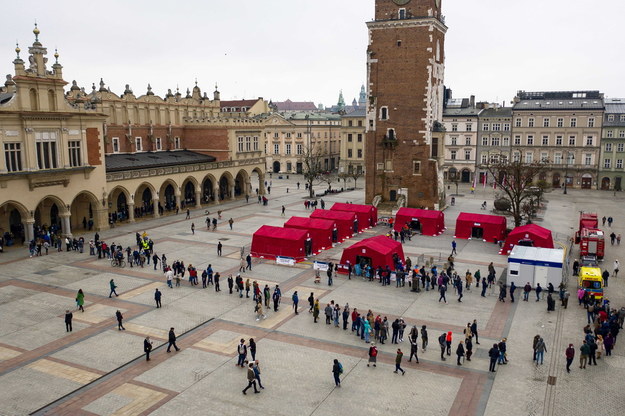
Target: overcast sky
308,50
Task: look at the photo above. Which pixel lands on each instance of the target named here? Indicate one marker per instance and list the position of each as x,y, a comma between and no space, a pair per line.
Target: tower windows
402,14
391,134
384,113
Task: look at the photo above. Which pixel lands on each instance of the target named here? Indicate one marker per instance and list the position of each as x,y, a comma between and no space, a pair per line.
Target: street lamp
569,158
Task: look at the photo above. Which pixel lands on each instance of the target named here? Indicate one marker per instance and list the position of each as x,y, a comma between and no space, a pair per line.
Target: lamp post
569,157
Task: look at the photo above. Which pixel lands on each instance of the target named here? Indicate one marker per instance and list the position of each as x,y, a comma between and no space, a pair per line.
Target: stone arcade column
231,192
178,200
261,184
101,219
131,212
198,198
155,202
67,226
30,231
216,194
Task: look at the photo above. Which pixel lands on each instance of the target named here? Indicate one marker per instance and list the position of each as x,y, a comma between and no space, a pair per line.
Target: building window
545,122
591,122
288,148
589,141
467,154
619,164
276,149
620,146
391,134
454,141
359,138
467,141
545,140
46,146
610,117
495,141
75,159
484,159
159,145
138,144
560,122
349,153
622,117
517,122
360,125
558,140
517,140
530,122
469,127
240,144
276,135
529,157
557,158
299,135
544,156
530,140
389,165
248,143
255,143
506,126
177,143
300,149
454,127
506,141
349,137
115,144
453,155
609,134
607,163
496,126
288,135
516,157
384,113
359,153
402,13
571,140
485,126
573,122
608,147
484,141
621,134
588,159
350,123
13,156
416,167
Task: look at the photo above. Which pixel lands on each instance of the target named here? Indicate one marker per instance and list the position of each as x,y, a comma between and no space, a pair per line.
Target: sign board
320,265
287,261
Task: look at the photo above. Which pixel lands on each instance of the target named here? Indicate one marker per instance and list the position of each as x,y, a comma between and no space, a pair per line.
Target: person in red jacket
373,354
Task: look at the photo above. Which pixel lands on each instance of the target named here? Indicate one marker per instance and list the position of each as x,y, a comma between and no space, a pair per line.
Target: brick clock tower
405,71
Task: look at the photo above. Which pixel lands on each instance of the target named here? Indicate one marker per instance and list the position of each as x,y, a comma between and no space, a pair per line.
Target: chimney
472,101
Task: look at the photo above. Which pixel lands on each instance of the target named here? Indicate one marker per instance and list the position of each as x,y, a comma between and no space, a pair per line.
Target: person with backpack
311,302
337,370
295,300
242,353
373,354
442,343
398,359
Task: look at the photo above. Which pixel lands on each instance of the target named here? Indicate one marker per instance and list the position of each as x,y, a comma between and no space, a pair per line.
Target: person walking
328,312
570,355
474,331
442,289
311,302
172,340
493,354
460,352
80,300
424,338
398,358
113,286
256,369
373,355
68,320
120,318
251,379
526,291
539,289
584,353
316,311
230,223
242,352
468,345
157,298
147,347
414,348
616,267
252,348
443,345
283,209
541,349
453,248
193,228
259,311
337,370
248,260
512,289
219,248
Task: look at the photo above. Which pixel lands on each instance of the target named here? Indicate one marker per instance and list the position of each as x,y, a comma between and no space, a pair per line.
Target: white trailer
535,265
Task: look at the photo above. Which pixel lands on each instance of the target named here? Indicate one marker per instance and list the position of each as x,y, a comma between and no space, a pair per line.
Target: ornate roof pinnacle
56,56
17,50
36,32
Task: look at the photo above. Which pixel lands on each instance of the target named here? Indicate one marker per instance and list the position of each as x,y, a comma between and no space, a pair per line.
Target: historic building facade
611,168
353,142
77,160
405,71
493,140
460,119
562,128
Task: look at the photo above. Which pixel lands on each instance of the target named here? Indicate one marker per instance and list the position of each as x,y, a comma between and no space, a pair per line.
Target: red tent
344,221
367,214
531,235
378,251
480,226
429,221
320,231
270,242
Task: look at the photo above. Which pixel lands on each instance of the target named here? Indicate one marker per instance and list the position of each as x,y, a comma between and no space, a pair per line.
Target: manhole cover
223,239
551,380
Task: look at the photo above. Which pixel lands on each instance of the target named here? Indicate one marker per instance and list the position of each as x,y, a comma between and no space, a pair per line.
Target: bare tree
514,178
311,159
355,174
328,178
344,177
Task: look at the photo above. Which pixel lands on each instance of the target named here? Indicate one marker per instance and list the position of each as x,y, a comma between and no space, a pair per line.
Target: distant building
460,119
288,105
353,142
493,140
611,168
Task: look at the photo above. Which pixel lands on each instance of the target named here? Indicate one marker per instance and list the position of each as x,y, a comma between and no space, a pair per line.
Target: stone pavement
98,370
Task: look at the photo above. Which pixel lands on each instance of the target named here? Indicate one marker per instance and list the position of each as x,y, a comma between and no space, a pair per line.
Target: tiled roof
237,103
359,112
560,104
464,112
497,112
131,161
5,97
289,105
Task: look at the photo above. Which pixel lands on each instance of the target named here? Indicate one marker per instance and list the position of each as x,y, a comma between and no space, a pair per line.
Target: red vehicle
589,237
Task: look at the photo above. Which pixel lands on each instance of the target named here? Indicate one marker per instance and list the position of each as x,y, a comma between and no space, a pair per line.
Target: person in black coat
68,320
147,347
493,354
460,352
172,340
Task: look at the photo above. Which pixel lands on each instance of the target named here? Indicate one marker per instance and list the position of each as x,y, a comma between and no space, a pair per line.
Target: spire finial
56,56
196,81
36,32
17,49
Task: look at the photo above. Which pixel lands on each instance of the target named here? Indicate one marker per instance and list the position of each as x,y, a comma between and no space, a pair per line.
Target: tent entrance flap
335,235
477,232
415,224
526,243
363,260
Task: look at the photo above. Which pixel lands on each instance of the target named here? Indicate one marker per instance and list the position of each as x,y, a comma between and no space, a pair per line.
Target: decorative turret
197,93
188,93
102,86
178,95
128,91
362,100
216,94
149,90
340,106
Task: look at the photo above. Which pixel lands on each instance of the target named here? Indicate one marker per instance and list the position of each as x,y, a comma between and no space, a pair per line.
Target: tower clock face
401,2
